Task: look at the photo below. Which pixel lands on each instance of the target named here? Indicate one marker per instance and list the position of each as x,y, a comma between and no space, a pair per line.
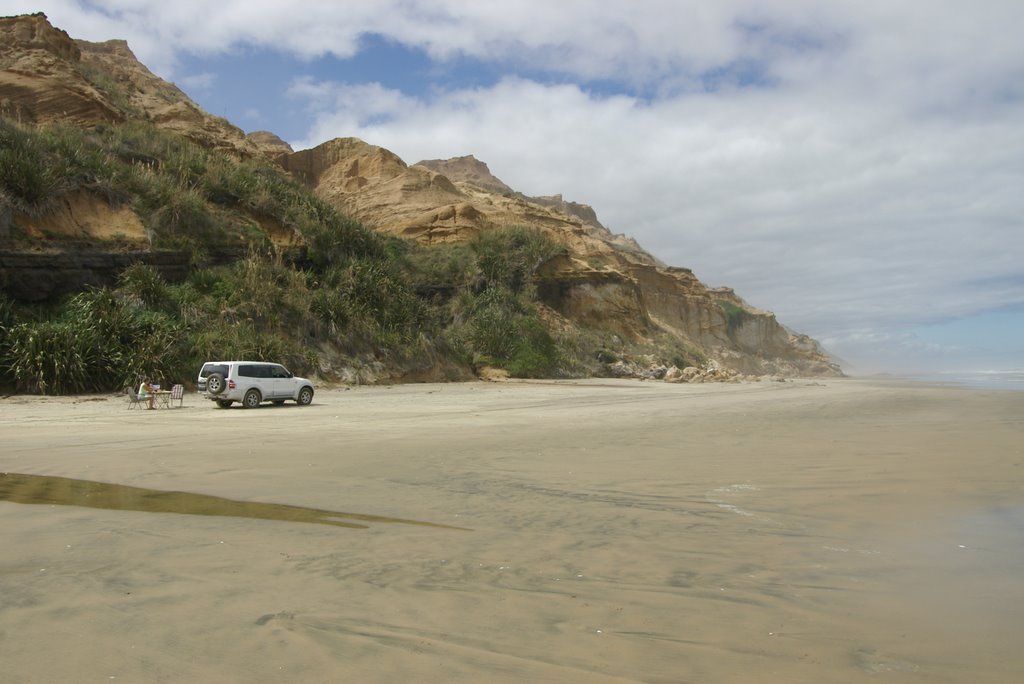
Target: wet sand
594,531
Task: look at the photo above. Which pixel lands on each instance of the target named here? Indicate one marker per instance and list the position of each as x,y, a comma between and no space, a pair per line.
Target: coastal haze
589,531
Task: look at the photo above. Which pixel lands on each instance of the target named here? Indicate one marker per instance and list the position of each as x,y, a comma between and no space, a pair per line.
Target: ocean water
1012,379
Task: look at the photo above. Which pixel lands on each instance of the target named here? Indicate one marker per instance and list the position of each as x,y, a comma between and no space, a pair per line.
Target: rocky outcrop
80,216
584,212
377,187
374,185
47,77
143,94
469,170
269,143
40,77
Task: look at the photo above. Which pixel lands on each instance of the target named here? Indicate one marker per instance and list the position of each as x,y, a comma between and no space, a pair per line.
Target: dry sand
831,531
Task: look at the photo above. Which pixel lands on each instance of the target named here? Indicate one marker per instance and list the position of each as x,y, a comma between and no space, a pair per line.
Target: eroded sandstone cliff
40,76
48,77
602,281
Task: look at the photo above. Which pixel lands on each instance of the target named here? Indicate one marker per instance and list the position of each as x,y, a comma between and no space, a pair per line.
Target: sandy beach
590,531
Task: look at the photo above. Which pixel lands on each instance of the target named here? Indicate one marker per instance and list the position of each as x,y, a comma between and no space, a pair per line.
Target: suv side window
280,372
246,371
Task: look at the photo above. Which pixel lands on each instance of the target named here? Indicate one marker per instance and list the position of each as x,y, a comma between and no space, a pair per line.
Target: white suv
252,382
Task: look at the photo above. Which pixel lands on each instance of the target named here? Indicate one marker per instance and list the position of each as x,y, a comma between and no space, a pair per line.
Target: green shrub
510,257
52,357
94,342
8,319
441,265
332,239
82,161
535,353
7,314
29,178
253,290
228,183
203,280
106,83
331,309
145,285
221,338
183,219
735,315
503,328
491,327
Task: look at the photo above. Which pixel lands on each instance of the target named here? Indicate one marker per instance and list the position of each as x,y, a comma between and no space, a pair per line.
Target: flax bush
510,257
95,342
30,180
500,327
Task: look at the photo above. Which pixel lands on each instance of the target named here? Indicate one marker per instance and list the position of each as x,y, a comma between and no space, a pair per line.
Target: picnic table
163,398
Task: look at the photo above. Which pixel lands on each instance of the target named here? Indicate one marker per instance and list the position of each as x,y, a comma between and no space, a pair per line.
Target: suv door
283,382
256,375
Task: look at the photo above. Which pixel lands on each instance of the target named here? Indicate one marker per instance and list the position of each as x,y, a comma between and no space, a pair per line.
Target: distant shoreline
1011,380
1002,380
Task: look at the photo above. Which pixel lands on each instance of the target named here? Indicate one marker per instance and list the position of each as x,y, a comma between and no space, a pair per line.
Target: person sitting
146,391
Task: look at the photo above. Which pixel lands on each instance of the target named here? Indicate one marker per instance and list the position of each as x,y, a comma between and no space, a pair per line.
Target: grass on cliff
359,295
198,200
188,197
735,315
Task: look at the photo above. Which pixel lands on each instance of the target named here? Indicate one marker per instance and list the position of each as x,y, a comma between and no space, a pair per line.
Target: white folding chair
134,399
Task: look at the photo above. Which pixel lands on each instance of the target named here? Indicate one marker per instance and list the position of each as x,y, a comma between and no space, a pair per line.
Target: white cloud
868,181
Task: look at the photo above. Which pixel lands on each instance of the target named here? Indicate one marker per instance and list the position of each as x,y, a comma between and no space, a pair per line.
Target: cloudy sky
855,166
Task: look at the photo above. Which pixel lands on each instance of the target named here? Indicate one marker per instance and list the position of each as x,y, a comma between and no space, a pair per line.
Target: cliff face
40,78
48,77
603,281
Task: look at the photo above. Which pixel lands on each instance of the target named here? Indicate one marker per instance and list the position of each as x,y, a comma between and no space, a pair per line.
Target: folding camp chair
134,399
177,394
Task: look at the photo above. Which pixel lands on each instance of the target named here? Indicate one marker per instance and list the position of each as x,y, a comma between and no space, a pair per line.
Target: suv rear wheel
251,399
224,403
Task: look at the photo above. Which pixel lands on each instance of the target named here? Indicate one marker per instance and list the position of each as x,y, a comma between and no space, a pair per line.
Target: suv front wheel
252,398
305,396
